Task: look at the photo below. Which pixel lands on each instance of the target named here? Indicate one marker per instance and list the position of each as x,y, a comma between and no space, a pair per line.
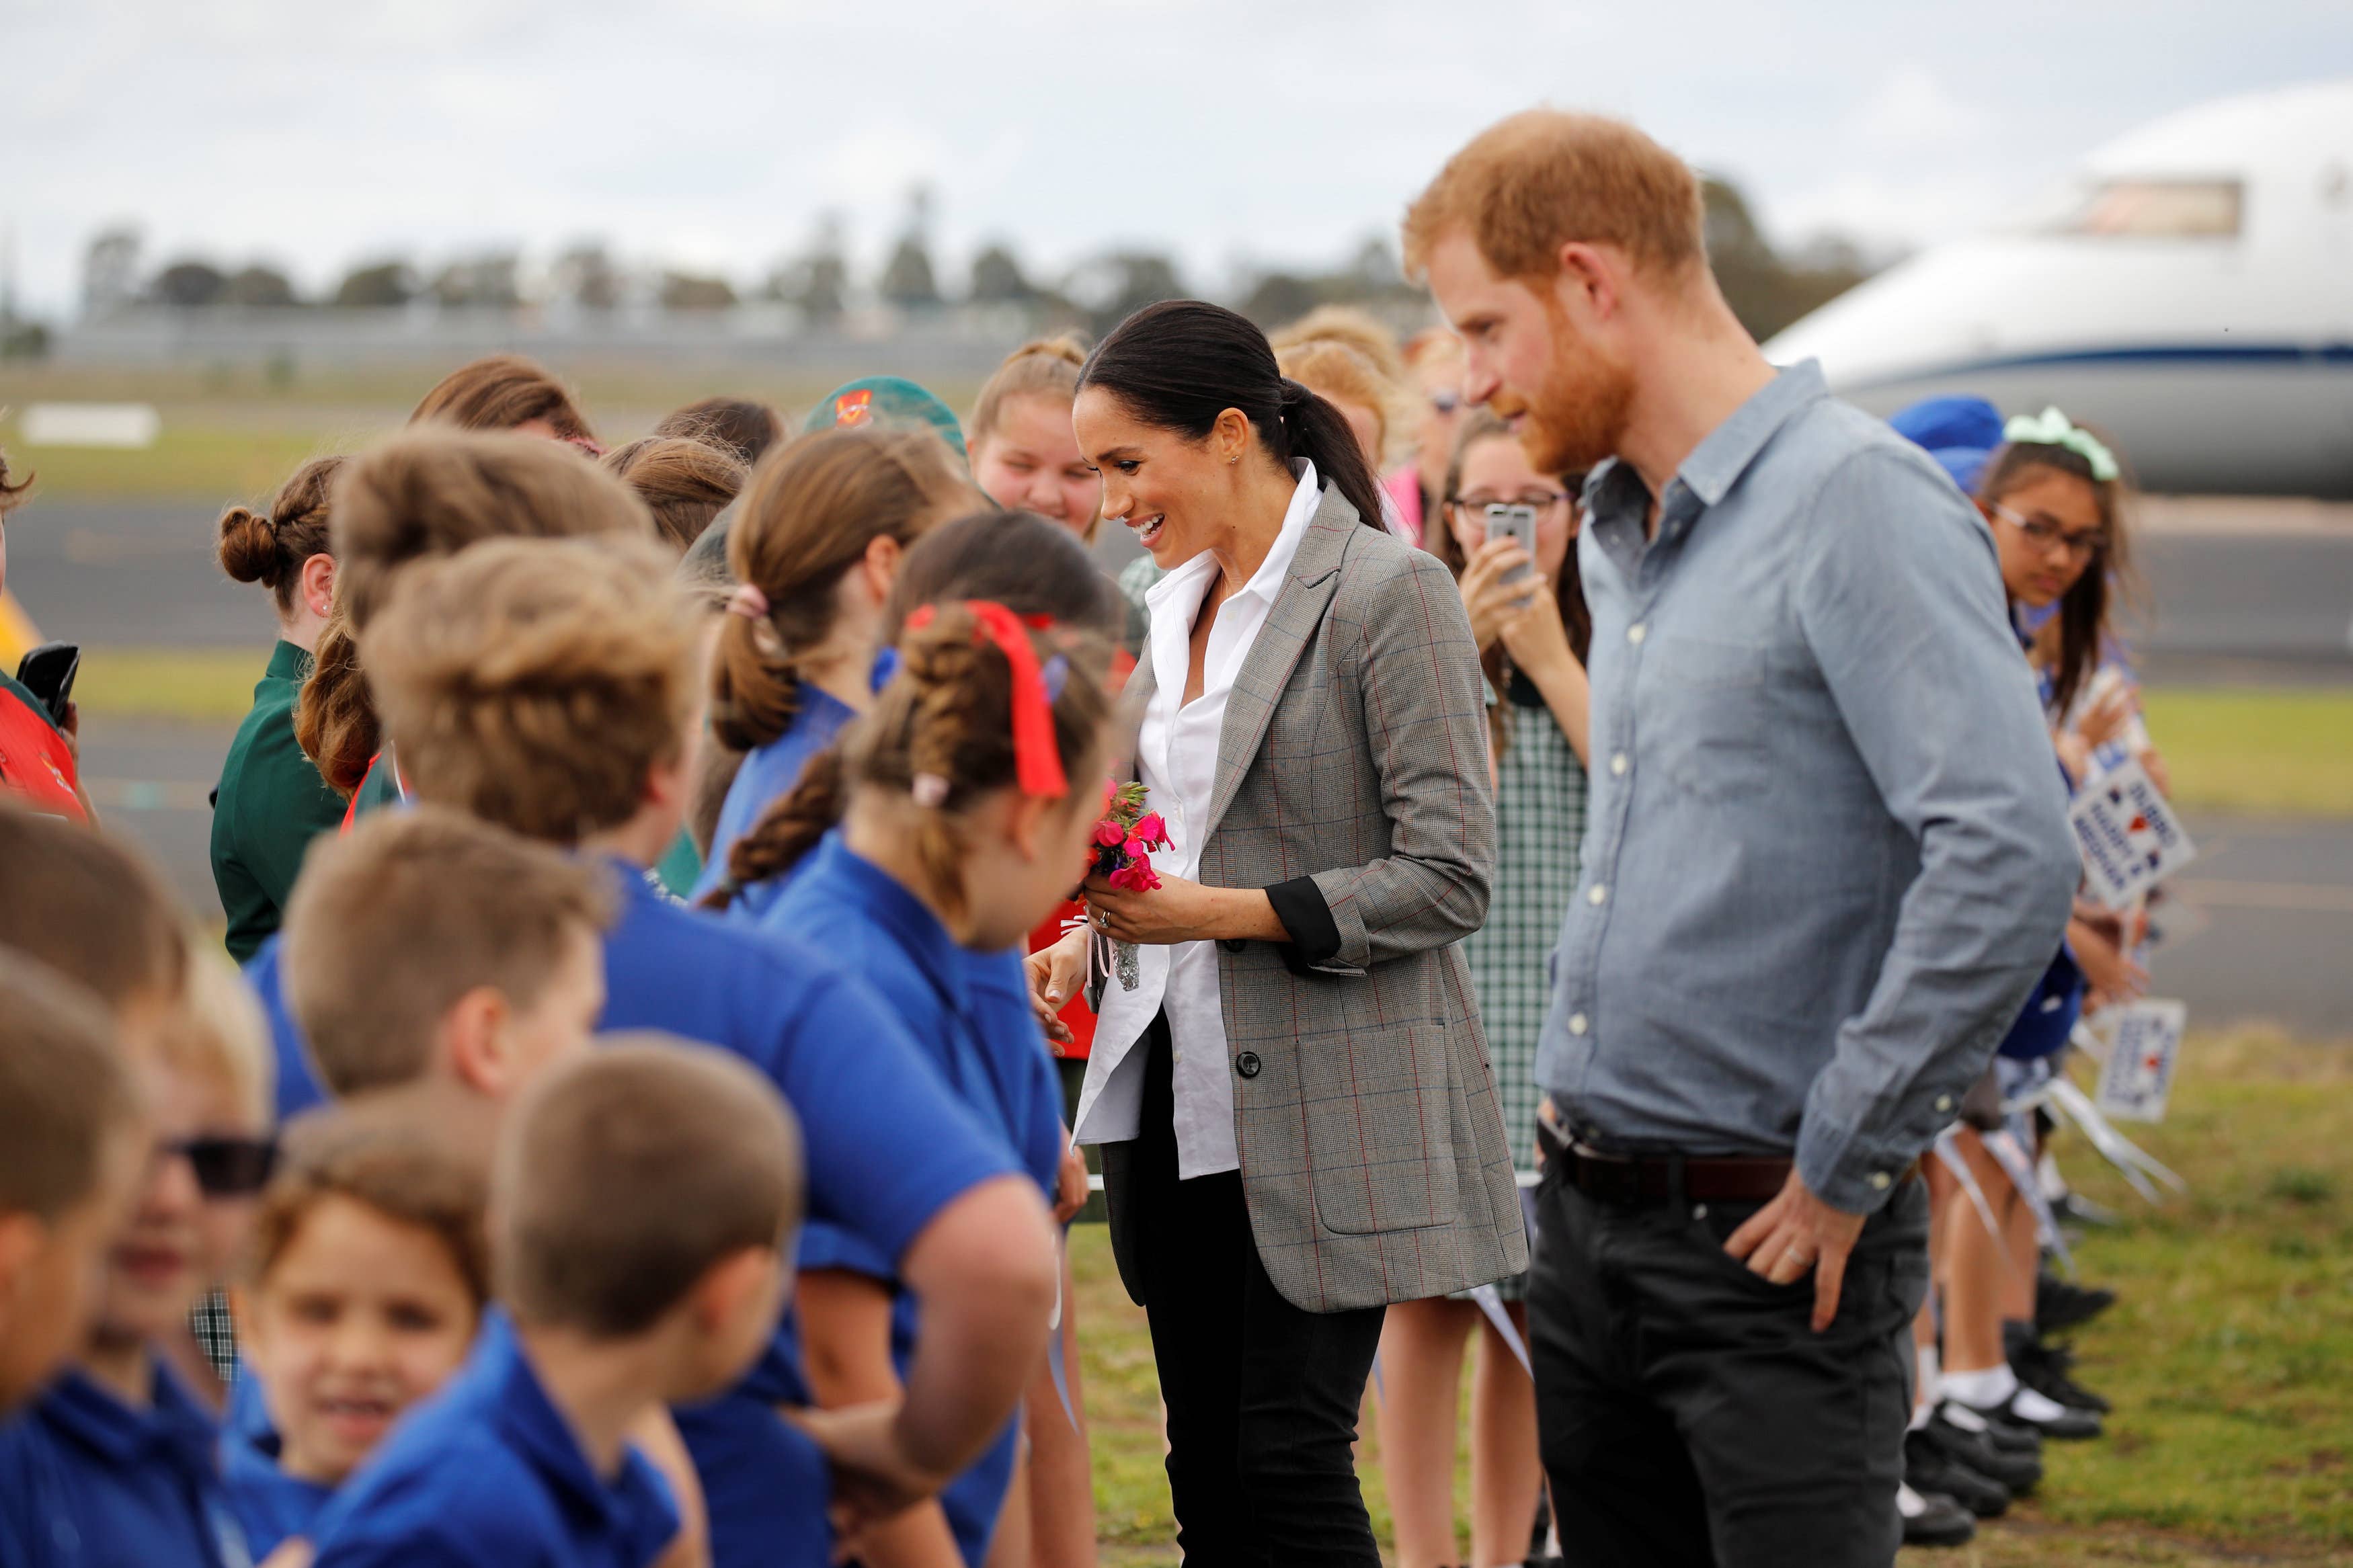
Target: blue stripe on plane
2151,356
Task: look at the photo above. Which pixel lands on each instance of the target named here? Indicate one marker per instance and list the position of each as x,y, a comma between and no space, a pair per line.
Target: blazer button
1247,1064
1232,944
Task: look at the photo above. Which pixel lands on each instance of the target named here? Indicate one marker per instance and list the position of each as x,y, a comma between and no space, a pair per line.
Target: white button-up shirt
1177,757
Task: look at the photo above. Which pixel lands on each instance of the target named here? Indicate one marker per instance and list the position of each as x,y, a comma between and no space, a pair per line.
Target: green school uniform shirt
270,804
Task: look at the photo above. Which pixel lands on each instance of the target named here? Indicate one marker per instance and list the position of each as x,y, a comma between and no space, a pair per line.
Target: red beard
1578,417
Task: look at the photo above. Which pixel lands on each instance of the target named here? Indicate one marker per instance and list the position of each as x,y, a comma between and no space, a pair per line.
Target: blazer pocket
1380,1134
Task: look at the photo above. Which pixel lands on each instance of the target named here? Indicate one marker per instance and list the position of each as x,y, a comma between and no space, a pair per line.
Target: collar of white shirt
1186,583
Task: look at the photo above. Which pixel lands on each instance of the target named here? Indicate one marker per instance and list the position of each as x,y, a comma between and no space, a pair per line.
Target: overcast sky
312,134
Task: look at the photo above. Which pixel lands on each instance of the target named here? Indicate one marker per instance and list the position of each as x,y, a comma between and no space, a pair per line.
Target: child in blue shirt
114,1465
814,542
962,831
367,1282
549,687
644,1201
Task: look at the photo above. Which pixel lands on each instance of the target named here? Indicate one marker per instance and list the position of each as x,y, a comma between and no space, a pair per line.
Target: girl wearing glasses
1528,615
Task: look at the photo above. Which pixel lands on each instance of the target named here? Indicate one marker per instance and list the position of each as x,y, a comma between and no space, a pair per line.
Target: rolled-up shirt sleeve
1902,607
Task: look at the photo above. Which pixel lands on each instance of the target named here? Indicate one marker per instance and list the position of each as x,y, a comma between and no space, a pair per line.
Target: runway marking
2306,897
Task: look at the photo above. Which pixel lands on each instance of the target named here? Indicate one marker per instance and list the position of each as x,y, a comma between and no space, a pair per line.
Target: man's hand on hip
1794,1232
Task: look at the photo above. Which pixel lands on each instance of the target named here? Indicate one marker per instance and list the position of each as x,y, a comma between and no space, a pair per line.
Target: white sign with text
2127,835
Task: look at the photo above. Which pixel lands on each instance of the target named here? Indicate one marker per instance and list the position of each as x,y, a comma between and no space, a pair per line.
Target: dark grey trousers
1689,1413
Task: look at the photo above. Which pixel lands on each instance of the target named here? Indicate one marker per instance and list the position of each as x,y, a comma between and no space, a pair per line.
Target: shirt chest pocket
1701,716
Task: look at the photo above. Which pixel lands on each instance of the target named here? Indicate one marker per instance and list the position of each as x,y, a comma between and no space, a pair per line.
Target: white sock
2037,1407
1932,1382
1909,1504
1987,1390
1962,1417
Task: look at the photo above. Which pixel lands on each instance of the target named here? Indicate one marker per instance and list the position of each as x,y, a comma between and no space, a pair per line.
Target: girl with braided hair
813,549
970,791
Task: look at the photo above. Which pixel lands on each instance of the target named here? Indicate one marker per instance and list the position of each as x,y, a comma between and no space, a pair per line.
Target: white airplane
2188,290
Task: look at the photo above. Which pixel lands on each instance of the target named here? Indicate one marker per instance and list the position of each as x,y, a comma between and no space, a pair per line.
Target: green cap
885,400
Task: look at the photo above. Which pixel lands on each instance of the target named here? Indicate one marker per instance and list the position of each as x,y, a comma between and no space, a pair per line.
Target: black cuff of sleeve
1314,935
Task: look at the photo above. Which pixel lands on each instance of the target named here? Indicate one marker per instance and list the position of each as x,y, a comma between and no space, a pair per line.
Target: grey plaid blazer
1374,1160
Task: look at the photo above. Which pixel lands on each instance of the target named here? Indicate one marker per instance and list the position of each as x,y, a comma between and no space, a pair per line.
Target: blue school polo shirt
87,1481
270,1504
880,932
768,774
488,1474
888,1146
297,1083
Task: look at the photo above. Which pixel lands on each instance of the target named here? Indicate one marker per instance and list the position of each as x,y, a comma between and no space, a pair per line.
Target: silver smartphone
1515,522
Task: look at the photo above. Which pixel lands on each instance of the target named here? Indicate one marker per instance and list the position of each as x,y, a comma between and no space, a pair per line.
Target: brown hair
1568,589
946,714
428,494
1033,567
501,392
684,482
64,1089
90,908
391,924
536,684
805,518
1040,367
1529,184
2071,643
1429,342
270,548
11,495
389,1158
743,427
627,1174
1341,373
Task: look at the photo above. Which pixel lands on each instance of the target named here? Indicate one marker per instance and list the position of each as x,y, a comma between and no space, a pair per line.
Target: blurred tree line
1767,288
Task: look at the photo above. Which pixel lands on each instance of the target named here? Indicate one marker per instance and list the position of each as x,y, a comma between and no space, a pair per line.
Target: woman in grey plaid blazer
1298,1118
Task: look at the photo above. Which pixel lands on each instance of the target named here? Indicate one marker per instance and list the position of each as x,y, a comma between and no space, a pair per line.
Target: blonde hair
270,548
1339,373
501,392
1358,328
394,922
806,519
218,1032
684,482
536,683
421,494
626,1174
1529,184
1040,367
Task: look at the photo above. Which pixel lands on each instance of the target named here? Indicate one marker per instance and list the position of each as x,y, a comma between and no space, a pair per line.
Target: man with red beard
1826,855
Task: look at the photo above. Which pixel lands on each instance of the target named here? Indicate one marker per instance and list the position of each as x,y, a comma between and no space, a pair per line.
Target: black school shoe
2018,1474
1934,1520
2044,1368
1929,1468
2060,1305
2002,1435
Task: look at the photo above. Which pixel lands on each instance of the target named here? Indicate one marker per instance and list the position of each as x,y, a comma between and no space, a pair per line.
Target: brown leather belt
1663,1178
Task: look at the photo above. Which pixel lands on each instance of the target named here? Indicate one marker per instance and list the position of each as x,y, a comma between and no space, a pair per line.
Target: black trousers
1262,1396
1689,1413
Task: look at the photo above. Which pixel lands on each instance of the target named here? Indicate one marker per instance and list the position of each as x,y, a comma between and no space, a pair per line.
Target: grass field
2230,1356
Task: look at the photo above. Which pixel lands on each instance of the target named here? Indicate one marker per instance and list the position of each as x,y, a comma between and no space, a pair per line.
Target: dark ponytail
1181,363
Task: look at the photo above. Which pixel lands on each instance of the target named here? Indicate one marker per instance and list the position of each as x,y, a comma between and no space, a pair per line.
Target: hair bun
248,546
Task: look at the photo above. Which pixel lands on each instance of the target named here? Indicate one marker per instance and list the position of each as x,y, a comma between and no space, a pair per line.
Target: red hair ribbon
1037,760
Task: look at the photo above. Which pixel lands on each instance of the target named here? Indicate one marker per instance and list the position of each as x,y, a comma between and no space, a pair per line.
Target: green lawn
2285,751
2229,1356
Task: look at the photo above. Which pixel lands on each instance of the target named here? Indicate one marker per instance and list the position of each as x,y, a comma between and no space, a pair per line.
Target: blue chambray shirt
1826,855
